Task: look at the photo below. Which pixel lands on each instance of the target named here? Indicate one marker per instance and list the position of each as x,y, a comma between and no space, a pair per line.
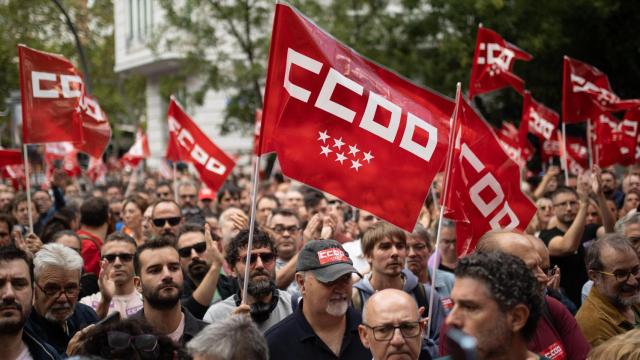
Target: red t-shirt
91,246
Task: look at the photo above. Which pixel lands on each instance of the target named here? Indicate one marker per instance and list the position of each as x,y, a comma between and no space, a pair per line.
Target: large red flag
586,93
347,126
606,133
96,130
10,157
537,119
138,151
493,63
483,185
192,145
629,143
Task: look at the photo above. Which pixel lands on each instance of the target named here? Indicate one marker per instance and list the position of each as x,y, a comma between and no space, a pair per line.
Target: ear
137,283
300,281
421,311
518,317
362,331
592,275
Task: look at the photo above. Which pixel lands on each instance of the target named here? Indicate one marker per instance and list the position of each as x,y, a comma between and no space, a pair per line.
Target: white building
134,21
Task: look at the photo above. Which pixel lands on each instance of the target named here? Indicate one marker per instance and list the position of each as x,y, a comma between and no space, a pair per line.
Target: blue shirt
293,338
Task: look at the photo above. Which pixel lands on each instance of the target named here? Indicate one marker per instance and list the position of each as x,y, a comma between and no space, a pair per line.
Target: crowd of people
146,268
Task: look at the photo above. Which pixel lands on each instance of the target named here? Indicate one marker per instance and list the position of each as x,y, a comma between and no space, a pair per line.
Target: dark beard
9,328
197,270
161,303
260,289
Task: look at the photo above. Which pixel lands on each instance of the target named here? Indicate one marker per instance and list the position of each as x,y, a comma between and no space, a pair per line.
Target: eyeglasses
71,290
186,251
567,204
124,257
266,258
623,275
145,344
279,229
173,221
385,332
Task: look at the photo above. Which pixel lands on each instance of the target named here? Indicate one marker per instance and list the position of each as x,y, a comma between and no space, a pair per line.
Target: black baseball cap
326,259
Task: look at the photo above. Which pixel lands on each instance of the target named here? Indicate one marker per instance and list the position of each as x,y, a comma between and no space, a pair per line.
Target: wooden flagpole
445,193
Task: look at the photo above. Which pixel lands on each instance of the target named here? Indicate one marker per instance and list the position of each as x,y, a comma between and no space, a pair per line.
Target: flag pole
252,220
564,154
28,181
445,193
174,166
589,144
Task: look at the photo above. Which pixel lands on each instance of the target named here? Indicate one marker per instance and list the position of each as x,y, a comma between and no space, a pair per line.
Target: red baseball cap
206,194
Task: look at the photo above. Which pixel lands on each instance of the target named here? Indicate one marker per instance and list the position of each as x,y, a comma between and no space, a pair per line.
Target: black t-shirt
573,270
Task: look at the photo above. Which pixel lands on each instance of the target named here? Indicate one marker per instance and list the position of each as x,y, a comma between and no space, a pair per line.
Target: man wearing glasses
391,326
265,303
613,304
57,316
287,235
117,289
166,218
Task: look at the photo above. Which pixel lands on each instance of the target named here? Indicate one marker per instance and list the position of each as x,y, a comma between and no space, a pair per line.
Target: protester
448,258
94,215
613,304
57,315
264,208
116,282
166,218
68,238
228,196
323,325
164,191
496,300
265,303
287,237
157,264
20,212
6,226
188,201
364,221
235,337
385,312
16,293
132,210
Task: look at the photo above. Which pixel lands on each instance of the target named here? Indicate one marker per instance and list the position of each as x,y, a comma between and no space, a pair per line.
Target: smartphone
110,319
461,345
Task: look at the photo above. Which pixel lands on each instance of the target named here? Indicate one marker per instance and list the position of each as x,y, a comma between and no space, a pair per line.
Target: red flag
483,186
346,126
577,154
96,130
138,151
537,119
15,173
605,140
628,142
193,146
64,152
586,93
517,151
493,64
10,157
97,170
551,148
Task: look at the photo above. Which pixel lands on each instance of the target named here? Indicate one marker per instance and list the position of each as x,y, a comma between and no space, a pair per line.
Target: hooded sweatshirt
429,344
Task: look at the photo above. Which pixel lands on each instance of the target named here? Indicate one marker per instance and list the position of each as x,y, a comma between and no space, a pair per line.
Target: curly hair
260,240
509,282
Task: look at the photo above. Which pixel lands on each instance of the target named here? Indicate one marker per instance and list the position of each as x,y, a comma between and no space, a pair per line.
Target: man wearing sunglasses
117,289
166,218
391,325
57,316
201,260
613,304
266,304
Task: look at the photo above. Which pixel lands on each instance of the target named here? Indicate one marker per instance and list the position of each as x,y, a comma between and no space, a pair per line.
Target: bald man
557,334
391,325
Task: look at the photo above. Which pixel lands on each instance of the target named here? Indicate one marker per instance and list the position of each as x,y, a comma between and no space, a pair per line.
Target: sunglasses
186,251
266,258
124,257
173,221
146,344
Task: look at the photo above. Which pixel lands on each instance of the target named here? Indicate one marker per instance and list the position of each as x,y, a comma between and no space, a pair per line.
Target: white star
325,150
353,149
323,136
338,143
355,164
341,157
367,156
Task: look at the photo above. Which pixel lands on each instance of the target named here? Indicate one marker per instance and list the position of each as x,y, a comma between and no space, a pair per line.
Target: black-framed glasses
186,251
279,229
266,258
173,221
623,275
71,290
124,257
145,344
385,332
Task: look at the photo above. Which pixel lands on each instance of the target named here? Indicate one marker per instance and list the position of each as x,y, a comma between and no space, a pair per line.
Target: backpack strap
420,294
356,299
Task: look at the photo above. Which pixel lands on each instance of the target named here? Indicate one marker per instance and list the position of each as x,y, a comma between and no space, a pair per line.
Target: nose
394,250
397,340
411,251
259,263
8,292
453,319
194,254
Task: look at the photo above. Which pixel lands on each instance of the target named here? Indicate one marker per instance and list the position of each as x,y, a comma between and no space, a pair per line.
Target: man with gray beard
57,315
613,304
266,304
323,325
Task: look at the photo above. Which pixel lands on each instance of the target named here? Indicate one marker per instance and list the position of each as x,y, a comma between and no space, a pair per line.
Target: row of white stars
338,143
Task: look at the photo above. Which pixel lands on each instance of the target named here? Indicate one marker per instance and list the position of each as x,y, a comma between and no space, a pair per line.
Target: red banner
517,151
96,130
138,151
577,154
493,63
344,125
10,157
483,186
629,141
190,144
586,93
537,119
